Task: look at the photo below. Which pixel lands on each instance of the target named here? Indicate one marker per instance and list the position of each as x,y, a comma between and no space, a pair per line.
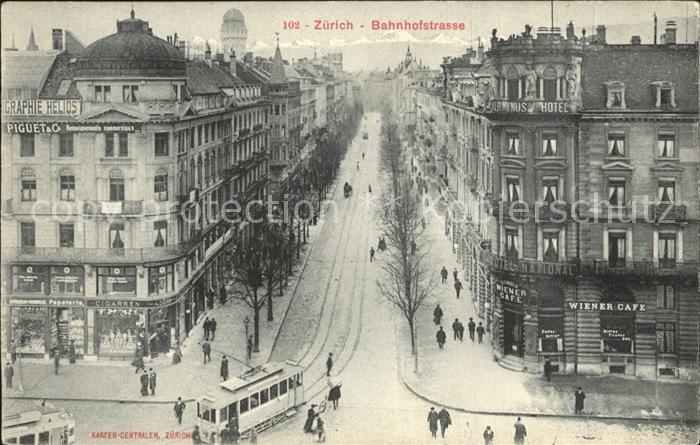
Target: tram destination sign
41,107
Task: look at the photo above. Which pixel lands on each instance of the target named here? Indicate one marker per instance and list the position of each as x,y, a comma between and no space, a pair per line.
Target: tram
258,398
30,423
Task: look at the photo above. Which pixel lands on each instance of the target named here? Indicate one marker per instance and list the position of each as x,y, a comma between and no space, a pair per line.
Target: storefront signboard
65,302
528,106
27,302
616,334
70,127
607,306
41,107
113,303
510,291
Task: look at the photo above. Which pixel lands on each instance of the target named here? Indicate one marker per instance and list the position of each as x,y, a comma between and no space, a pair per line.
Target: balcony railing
125,208
666,212
540,211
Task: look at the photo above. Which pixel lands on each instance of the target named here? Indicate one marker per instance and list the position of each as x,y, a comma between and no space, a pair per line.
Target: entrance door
512,333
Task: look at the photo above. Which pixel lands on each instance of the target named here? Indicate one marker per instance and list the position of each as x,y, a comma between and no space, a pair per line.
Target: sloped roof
61,71
277,74
249,75
26,69
205,79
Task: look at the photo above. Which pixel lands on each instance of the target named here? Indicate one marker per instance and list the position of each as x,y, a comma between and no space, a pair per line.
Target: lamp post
246,322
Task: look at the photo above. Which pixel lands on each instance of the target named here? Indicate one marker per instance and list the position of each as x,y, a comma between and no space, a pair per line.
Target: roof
132,45
277,74
26,69
205,79
233,15
607,63
19,406
59,82
248,74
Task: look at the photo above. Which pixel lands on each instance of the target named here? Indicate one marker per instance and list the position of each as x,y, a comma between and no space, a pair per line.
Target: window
116,280
273,392
129,93
109,145
116,189
160,235
161,280
67,185
283,387
667,191
123,145
513,189
665,146
617,253
264,396
66,235
27,234
29,190
243,404
665,296
65,145
513,144
291,383
666,337
667,250
160,186
26,145
116,235
617,332
254,400
550,189
511,246
549,145
666,97
550,89
103,93
616,145
68,280
513,86
162,140
616,192
551,245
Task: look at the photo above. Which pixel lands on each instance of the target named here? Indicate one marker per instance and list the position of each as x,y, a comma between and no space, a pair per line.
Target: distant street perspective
216,240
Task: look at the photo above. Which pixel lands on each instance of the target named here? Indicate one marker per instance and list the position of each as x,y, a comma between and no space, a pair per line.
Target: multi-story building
111,193
410,75
234,33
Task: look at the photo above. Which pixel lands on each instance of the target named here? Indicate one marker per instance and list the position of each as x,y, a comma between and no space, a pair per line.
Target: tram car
259,398
29,422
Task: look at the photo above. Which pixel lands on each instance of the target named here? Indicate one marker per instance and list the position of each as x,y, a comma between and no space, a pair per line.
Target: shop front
550,326
511,297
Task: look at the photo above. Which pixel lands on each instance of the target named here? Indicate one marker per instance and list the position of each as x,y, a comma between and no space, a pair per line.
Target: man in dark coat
455,329
212,327
433,421
454,274
206,349
413,247
9,373
579,395
437,314
152,381
472,328
441,337
461,331
144,383
334,395
371,254
443,274
179,409
445,421
196,437
520,433
224,369
548,370
329,364
458,287
206,325
310,416
480,332
223,296
56,360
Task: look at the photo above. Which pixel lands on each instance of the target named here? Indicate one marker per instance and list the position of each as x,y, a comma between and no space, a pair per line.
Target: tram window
244,405
273,392
232,411
264,396
27,440
223,414
254,400
291,383
11,440
283,387
207,414
299,379
44,438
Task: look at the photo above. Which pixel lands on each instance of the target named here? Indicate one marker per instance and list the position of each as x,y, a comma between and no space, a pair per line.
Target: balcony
555,211
244,133
124,208
667,213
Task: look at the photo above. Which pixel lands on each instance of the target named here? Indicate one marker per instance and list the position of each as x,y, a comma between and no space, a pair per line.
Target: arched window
66,181
513,84
160,185
116,185
549,84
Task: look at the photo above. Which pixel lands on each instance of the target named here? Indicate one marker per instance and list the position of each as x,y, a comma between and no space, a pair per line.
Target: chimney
636,40
655,22
670,32
219,57
570,31
207,53
175,40
181,47
480,52
57,38
169,39
600,33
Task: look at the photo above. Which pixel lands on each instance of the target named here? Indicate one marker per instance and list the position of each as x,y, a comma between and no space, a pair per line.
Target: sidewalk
465,375
116,381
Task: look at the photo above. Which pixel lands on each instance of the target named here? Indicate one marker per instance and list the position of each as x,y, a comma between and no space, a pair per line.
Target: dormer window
616,95
665,94
129,93
103,93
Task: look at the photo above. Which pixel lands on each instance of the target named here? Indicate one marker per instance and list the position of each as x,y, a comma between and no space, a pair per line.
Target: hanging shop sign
70,127
510,291
41,107
612,307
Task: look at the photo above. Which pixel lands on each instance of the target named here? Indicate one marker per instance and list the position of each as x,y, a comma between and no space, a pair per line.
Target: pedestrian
319,429
548,370
472,328
443,274
334,395
206,326
9,373
455,329
329,364
206,349
454,274
370,188
224,368
249,346
196,438
413,247
253,436
179,409
13,352
441,337
445,421
177,355
71,352
458,287
488,436
144,383
433,421
371,254
223,296
579,395
152,381
310,416
138,362
212,328
480,332
56,360
357,163
363,155
520,432
437,314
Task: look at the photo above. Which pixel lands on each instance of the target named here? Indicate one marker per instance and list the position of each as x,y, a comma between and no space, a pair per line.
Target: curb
79,399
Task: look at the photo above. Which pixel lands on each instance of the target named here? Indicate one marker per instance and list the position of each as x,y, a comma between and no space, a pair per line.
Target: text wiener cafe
607,306
510,291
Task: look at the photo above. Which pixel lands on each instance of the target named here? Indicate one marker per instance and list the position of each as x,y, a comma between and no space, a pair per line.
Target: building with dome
113,190
234,33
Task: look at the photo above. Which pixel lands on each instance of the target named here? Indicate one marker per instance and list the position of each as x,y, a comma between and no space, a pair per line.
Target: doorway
513,333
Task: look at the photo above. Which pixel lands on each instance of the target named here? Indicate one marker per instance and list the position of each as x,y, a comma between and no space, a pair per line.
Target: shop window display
117,330
28,324
161,280
617,333
67,280
116,280
30,279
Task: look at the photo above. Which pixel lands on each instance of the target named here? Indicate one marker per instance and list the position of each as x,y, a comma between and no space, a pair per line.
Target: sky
363,47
